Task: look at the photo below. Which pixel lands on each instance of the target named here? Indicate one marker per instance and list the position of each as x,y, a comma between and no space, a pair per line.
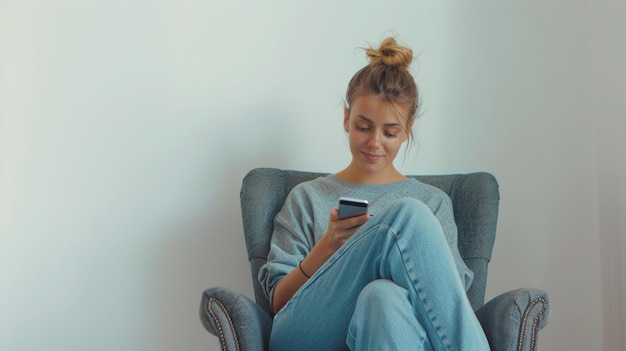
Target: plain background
126,127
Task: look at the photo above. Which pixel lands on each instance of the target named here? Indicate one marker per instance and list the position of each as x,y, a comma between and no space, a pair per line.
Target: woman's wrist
323,250
320,253
302,270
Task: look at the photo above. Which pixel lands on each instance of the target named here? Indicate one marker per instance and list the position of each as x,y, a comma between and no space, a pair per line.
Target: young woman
392,279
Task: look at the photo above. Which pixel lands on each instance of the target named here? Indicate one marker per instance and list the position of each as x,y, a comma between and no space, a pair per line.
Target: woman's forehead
375,109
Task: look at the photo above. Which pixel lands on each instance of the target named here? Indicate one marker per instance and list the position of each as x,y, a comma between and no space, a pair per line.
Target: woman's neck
353,175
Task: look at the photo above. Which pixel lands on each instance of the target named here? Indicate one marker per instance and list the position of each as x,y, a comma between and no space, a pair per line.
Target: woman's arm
339,231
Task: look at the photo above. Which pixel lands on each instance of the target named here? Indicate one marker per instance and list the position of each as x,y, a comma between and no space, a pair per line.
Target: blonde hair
387,76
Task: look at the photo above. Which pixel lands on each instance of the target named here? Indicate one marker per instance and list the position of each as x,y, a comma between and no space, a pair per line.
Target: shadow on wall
209,250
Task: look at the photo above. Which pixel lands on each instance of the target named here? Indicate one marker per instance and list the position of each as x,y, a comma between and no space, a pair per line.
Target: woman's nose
374,140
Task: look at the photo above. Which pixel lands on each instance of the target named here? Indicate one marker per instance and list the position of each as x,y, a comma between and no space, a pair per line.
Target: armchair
511,321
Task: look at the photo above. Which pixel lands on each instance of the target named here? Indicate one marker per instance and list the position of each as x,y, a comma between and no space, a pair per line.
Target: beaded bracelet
302,270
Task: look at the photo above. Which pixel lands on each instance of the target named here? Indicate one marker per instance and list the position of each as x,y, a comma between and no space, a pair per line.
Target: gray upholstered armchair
511,321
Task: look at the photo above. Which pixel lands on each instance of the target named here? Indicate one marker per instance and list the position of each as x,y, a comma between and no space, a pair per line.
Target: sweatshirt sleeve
291,241
444,212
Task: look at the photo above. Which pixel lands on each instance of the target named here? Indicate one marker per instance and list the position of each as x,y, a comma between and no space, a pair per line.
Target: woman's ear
346,119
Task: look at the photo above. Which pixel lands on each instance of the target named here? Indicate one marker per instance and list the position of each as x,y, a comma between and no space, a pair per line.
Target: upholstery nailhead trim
220,331
533,337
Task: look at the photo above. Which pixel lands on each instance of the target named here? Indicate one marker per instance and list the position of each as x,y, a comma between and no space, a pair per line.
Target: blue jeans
392,286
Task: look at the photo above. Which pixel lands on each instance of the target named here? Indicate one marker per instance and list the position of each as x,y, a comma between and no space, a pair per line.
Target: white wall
609,54
127,126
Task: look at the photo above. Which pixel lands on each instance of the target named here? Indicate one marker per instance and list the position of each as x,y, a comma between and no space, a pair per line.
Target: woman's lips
371,157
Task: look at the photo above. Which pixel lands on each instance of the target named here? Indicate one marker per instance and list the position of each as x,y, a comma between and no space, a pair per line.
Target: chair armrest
512,320
238,322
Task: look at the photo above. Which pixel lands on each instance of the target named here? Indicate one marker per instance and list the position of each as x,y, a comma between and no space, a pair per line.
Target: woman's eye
362,128
390,135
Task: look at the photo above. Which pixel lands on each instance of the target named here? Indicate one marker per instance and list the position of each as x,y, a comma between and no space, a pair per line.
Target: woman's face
376,131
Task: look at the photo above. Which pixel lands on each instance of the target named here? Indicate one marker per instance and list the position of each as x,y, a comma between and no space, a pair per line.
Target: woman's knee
379,296
412,209
410,213
384,315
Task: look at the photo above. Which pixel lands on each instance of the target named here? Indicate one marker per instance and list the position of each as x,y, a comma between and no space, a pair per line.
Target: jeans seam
418,291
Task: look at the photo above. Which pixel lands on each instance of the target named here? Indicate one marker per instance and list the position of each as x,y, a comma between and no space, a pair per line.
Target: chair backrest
475,198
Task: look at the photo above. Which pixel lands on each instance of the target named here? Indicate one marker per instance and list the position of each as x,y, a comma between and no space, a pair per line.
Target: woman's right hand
340,230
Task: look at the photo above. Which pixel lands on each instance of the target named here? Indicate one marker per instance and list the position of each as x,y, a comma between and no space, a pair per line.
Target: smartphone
349,207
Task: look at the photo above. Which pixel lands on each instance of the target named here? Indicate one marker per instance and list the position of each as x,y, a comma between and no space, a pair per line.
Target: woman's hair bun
391,54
